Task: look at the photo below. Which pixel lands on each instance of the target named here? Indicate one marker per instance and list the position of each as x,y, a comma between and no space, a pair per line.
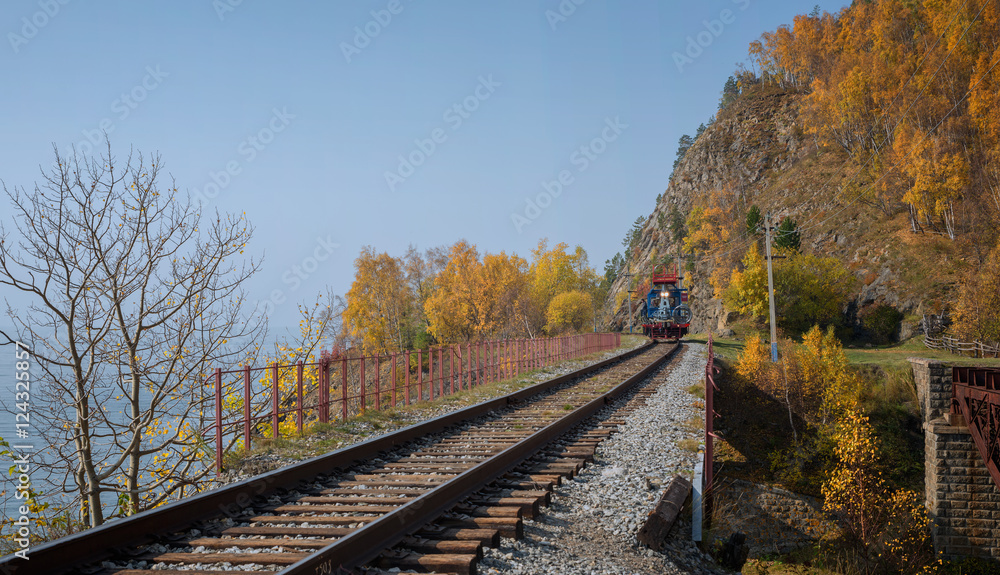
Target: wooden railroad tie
659,521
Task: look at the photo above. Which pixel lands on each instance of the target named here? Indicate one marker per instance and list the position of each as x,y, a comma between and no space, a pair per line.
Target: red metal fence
710,387
281,399
975,396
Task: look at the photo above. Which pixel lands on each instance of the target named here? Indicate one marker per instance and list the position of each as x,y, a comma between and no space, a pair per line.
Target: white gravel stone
593,522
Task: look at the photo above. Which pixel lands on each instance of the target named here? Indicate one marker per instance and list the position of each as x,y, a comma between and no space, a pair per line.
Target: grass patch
697,389
896,355
724,348
693,424
689,444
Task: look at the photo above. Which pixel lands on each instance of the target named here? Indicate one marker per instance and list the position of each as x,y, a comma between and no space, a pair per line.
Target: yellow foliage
453,309
977,311
889,530
755,359
812,379
569,311
747,291
377,303
500,295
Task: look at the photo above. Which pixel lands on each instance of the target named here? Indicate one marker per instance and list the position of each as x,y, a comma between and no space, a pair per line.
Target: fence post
709,421
274,400
407,391
511,358
508,362
364,398
323,405
517,358
343,390
420,374
451,368
440,372
246,407
324,392
218,421
502,347
395,358
378,383
298,397
430,374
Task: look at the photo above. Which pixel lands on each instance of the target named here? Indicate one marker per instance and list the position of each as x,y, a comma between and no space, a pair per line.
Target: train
665,312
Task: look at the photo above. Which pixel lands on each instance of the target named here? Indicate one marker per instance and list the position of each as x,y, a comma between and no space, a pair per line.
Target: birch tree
134,296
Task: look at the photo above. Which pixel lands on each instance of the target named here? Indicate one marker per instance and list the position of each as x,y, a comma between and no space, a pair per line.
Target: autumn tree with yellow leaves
884,530
909,91
381,303
453,309
808,289
457,294
977,309
557,271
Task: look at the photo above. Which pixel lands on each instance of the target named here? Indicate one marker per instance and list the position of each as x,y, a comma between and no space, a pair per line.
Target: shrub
881,323
884,531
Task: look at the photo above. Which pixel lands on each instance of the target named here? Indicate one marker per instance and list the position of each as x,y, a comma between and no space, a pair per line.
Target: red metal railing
277,399
975,395
710,387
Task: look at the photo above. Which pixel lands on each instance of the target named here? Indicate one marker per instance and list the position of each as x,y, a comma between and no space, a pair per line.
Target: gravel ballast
592,524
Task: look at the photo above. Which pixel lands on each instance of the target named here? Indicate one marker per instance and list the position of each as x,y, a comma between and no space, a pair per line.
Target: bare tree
134,297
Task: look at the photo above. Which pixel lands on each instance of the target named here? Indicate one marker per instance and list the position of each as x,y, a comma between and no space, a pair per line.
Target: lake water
8,431
8,428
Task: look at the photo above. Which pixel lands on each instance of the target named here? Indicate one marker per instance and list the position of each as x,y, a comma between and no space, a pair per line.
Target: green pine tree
788,235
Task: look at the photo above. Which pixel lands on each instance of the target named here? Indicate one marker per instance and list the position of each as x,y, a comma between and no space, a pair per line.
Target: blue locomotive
665,313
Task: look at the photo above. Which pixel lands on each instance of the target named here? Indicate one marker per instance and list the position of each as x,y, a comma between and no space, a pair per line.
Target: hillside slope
755,153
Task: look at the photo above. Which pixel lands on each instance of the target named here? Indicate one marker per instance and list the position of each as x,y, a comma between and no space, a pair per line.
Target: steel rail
368,542
93,545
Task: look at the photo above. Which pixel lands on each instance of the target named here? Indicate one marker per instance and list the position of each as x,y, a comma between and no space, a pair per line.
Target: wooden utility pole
680,278
770,288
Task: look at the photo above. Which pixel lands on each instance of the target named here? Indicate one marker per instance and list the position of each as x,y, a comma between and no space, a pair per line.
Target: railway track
424,498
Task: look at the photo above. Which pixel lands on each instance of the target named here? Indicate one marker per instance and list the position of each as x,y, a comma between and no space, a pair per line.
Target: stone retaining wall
962,501
773,519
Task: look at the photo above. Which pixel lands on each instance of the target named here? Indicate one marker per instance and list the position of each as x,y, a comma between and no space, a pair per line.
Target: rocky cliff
756,153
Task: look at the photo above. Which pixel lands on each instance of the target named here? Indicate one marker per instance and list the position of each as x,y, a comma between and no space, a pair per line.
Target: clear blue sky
211,85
